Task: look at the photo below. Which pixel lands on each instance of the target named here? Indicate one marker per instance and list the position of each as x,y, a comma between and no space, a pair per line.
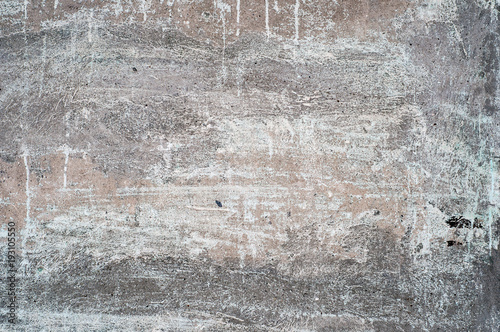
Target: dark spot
488,107
289,214
461,222
8,158
376,212
134,69
453,243
219,204
458,222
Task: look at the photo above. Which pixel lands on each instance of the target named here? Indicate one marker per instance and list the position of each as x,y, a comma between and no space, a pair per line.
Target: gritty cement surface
244,165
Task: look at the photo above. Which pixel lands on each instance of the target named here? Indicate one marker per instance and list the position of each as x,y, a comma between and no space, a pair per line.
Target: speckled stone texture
244,165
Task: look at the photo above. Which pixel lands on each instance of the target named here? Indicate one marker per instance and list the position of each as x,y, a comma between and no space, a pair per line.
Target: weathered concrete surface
251,165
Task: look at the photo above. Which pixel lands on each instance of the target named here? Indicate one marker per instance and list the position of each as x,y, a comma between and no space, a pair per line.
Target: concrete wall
244,165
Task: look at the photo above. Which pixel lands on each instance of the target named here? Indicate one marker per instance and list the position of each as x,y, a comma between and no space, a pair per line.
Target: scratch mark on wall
201,208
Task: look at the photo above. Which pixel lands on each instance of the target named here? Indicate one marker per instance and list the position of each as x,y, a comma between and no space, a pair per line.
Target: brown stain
208,21
46,184
255,243
13,193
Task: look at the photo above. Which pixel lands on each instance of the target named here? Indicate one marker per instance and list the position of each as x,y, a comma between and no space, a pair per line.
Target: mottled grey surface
251,165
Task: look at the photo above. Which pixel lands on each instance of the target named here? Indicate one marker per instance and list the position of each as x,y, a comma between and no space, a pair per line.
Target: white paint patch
276,8
56,2
224,8
238,17
118,8
297,6
224,69
89,33
145,6
3,231
267,19
25,9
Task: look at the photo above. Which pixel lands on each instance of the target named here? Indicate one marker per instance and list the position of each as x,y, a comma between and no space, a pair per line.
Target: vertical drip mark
91,73
89,34
73,45
239,76
270,146
118,8
241,252
28,225
297,6
223,8
238,17
44,57
25,9
493,12
56,2
28,194
66,152
224,70
267,18
490,221
492,203
144,14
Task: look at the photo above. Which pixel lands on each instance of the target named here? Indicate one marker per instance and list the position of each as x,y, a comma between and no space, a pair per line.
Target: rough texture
271,165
